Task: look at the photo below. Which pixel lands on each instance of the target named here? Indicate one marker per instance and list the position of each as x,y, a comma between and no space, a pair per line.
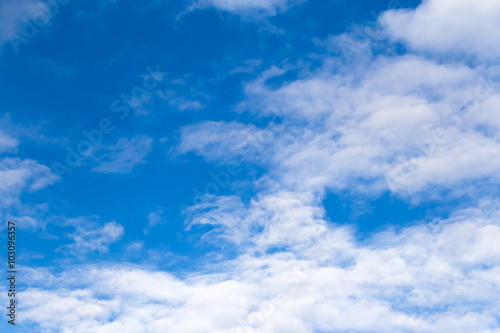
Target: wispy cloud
7,143
18,176
89,238
15,14
154,219
267,7
124,155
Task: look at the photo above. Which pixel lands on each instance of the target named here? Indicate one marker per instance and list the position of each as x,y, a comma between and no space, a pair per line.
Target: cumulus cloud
404,124
460,27
407,124
418,279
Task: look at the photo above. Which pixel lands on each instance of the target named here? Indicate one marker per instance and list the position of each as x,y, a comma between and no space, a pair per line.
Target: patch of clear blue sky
66,78
378,213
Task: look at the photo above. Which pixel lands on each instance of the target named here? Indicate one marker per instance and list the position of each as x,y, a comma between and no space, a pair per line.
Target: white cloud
465,27
226,212
268,7
18,176
7,143
15,13
403,123
400,123
224,141
125,155
183,104
154,218
437,277
88,238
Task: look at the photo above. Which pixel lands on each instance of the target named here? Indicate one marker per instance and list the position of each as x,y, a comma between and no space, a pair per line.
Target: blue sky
252,165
